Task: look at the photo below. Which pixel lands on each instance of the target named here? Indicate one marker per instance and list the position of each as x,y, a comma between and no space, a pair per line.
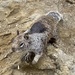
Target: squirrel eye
22,45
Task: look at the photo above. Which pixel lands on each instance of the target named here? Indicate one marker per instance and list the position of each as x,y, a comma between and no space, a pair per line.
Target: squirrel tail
56,15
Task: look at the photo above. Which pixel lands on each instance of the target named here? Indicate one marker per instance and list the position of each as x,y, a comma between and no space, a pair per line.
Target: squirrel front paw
34,62
28,57
36,58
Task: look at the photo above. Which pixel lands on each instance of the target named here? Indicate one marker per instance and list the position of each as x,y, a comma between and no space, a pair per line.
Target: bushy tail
56,15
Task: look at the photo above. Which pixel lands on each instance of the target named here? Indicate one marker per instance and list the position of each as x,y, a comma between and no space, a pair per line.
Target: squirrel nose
13,49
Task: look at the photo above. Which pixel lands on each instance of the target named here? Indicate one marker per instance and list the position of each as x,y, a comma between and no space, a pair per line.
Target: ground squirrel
34,40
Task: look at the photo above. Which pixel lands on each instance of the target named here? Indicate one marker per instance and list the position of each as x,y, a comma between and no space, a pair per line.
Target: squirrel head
21,42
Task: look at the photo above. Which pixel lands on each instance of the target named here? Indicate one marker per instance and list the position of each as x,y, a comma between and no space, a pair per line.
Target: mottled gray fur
35,39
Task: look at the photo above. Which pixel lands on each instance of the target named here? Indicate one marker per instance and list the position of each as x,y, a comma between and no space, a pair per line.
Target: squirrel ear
26,36
17,32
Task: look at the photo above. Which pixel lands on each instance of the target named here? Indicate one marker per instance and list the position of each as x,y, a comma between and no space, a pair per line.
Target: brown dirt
19,15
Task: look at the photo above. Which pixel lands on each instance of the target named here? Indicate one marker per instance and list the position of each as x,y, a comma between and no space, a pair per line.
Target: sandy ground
20,15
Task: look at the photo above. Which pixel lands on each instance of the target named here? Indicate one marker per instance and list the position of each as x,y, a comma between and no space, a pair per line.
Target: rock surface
20,15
